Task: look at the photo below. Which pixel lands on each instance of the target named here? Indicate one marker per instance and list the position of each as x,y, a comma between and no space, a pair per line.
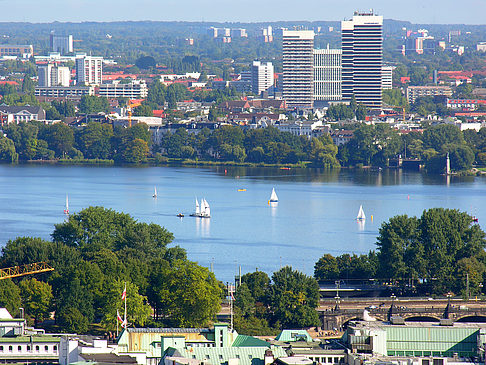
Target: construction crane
28,269
132,104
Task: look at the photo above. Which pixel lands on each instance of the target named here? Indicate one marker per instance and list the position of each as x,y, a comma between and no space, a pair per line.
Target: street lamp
337,298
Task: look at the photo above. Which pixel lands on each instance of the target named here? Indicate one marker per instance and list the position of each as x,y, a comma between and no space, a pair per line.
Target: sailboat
273,197
155,193
202,210
66,208
361,216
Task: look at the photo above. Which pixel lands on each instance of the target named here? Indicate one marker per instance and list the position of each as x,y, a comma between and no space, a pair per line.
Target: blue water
315,214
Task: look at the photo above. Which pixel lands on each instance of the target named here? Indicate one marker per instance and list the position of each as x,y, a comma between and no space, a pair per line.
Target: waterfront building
362,54
298,68
52,75
21,344
23,51
222,346
416,339
89,70
61,43
307,128
327,74
414,92
136,89
262,76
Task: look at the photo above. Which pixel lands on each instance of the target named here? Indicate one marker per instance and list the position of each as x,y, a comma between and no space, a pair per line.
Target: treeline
37,141
263,307
441,251
375,145
95,254
231,143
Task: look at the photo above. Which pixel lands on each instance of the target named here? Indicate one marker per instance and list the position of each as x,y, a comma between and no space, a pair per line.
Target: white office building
298,68
52,75
387,77
134,90
61,43
89,70
327,75
262,76
362,57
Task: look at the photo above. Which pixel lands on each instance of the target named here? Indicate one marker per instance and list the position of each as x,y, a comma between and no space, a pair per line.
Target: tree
10,296
90,104
183,302
94,140
326,268
143,110
60,138
7,151
36,298
293,299
138,311
71,320
135,151
429,248
145,62
28,86
96,228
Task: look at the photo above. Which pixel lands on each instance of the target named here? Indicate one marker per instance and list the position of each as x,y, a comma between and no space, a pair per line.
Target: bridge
335,314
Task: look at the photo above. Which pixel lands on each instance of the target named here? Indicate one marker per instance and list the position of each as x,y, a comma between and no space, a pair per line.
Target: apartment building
134,90
298,68
23,51
89,70
61,43
262,76
327,74
52,75
414,92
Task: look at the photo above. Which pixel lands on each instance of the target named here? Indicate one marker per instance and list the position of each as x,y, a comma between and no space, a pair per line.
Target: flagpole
117,324
125,319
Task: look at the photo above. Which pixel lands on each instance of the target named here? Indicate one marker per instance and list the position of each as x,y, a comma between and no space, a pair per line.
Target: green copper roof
249,341
294,335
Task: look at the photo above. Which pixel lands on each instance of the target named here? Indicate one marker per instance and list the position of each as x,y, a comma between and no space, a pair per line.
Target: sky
416,11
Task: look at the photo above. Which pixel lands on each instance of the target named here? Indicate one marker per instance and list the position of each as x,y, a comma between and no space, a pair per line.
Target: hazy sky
416,11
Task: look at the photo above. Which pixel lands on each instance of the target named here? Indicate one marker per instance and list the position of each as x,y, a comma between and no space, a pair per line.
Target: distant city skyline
415,11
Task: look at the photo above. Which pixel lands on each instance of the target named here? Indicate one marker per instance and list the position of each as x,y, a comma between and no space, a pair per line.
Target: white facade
362,47
298,68
262,76
327,74
134,90
89,70
62,44
52,75
387,77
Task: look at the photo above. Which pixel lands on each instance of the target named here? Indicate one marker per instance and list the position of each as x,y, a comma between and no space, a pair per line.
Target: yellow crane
130,105
28,269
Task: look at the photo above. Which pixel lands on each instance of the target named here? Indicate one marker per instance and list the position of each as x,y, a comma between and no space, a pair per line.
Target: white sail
273,196
66,209
198,210
155,192
207,210
361,215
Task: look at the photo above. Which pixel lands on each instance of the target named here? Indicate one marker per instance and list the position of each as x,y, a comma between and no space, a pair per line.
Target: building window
250,357
46,348
1,348
28,347
19,348
55,348
37,348
10,349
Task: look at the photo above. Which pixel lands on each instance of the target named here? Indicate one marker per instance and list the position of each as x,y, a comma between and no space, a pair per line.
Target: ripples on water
315,214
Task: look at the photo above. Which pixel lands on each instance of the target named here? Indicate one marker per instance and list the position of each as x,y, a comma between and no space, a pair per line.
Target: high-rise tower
362,58
298,68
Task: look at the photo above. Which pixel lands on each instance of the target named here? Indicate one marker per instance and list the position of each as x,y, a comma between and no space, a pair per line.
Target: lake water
315,214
